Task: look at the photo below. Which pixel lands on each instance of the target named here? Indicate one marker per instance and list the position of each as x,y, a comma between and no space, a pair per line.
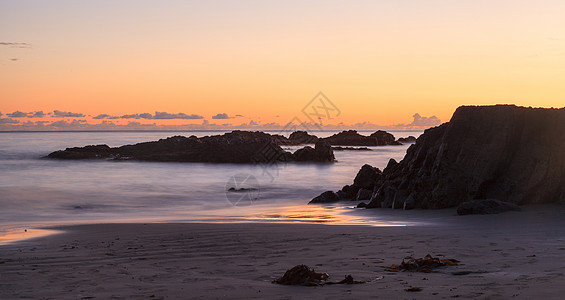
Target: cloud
8,121
17,114
0,114
164,115
105,116
159,115
66,114
14,59
138,116
221,116
239,116
253,123
21,114
37,114
420,121
74,124
15,45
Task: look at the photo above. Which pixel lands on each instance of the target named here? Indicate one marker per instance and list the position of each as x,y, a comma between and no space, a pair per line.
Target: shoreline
516,254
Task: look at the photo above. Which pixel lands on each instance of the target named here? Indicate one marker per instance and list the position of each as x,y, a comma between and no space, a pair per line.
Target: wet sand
512,255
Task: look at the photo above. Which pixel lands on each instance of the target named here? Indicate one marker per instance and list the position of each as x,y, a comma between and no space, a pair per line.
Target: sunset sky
184,62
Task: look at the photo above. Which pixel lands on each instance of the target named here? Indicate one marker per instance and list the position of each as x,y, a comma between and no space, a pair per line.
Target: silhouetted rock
514,154
321,153
487,206
364,194
326,197
353,138
233,147
302,137
384,138
367,177
407,140
339,148
362,186
348,192
87,152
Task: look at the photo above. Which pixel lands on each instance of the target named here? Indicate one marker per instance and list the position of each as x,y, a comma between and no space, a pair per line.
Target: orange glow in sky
378,61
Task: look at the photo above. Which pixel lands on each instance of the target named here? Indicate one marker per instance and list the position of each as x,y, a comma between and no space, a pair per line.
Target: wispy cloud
164,115
221,116
159,115
105,116
8,121
66,114
15,45
138,116
419,122
424,121
17,114
37,114
21,114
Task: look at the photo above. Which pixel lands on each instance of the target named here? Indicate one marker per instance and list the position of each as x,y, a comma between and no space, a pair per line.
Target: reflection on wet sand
19,234
317,214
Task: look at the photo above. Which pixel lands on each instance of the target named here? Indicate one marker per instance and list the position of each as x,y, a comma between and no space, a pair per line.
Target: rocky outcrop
513,154
384,138
301,138
361,189
353,138
339,148
233,147
487,206
321,153
407,140
325,197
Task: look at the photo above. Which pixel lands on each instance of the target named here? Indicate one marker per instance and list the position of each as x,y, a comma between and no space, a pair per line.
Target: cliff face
503,152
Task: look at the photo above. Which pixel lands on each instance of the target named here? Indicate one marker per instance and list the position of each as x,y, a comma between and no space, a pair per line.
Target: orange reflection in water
317,214
19,234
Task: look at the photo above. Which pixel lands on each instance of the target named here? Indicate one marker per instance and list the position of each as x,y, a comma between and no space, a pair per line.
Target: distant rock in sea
504,152
407,140
353,138
233,147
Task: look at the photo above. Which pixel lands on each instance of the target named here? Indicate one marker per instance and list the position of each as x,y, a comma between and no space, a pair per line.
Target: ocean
37,192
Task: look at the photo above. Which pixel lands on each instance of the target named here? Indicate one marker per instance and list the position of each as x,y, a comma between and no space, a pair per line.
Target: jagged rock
87,152
367,177
325,197
348,192
353,138
302,137
234,147
324,152
321,153
339,148
362,186
514,154
384,138
364,194
407,140
487,206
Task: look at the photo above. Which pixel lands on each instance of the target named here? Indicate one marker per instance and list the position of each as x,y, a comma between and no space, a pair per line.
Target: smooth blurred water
35,191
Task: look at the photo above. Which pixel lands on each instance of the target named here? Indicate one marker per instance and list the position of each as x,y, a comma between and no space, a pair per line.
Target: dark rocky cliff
504,152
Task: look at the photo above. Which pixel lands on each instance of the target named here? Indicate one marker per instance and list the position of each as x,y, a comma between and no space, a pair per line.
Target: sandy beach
511,255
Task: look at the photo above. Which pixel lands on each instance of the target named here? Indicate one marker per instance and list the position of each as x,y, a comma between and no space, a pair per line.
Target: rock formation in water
512,154
407,140
234,147
353,138
361,189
